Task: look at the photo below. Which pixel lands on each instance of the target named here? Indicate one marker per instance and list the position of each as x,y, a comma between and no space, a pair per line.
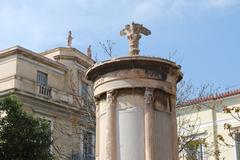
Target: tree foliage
22,136
233,132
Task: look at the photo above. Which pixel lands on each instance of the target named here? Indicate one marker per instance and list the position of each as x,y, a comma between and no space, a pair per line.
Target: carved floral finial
133,32
69,39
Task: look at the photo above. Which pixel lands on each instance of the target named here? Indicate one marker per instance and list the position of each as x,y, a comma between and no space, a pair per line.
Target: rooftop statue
133,32
69,39
89,51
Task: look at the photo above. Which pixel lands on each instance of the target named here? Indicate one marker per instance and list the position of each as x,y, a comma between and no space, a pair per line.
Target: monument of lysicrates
135,104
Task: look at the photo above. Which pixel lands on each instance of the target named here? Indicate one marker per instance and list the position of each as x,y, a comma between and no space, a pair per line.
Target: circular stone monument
135,107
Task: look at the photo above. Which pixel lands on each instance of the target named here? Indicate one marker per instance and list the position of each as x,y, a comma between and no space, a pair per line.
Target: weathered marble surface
136,111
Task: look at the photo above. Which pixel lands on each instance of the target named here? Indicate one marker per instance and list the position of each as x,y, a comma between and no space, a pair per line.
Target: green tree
22,137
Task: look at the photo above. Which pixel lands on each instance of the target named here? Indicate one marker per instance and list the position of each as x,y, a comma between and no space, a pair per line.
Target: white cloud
222,4
40,23
178,8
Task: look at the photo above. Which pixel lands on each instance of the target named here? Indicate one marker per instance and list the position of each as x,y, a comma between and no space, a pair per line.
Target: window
83,89
195,150
50,123
237,145
88,146
42,78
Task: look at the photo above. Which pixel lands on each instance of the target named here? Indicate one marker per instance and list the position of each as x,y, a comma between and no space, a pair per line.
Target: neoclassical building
209,118
52,85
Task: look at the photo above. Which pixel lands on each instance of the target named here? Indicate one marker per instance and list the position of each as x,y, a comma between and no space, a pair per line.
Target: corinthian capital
111,96
148,96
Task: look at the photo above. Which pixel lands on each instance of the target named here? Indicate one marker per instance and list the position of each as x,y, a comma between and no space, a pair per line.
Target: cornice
84,56
217,96
18,50
73,58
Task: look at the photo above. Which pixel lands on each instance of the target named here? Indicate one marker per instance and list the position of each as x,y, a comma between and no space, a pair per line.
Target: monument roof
129,62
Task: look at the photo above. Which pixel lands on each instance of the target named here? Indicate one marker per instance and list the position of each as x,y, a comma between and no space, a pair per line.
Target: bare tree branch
190,137
107,47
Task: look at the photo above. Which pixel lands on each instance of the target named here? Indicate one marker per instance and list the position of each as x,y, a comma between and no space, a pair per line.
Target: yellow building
208,117
47,84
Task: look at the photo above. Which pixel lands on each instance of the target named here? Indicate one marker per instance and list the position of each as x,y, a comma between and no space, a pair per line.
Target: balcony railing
45,90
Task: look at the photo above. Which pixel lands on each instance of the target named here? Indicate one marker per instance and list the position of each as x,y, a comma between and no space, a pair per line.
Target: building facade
209,118
51,85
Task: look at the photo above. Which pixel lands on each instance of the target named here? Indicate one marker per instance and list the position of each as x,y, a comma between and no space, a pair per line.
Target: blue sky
203,34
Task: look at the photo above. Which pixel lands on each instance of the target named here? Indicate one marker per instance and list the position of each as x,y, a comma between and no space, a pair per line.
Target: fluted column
111,126
149,123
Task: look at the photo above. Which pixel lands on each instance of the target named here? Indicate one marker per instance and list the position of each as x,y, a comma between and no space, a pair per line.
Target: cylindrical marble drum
135,108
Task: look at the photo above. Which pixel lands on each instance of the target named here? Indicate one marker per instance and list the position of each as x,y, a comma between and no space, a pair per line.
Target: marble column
110,126
149,123
174,127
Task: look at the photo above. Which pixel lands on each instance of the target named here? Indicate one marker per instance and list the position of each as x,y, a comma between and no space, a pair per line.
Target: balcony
44,90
